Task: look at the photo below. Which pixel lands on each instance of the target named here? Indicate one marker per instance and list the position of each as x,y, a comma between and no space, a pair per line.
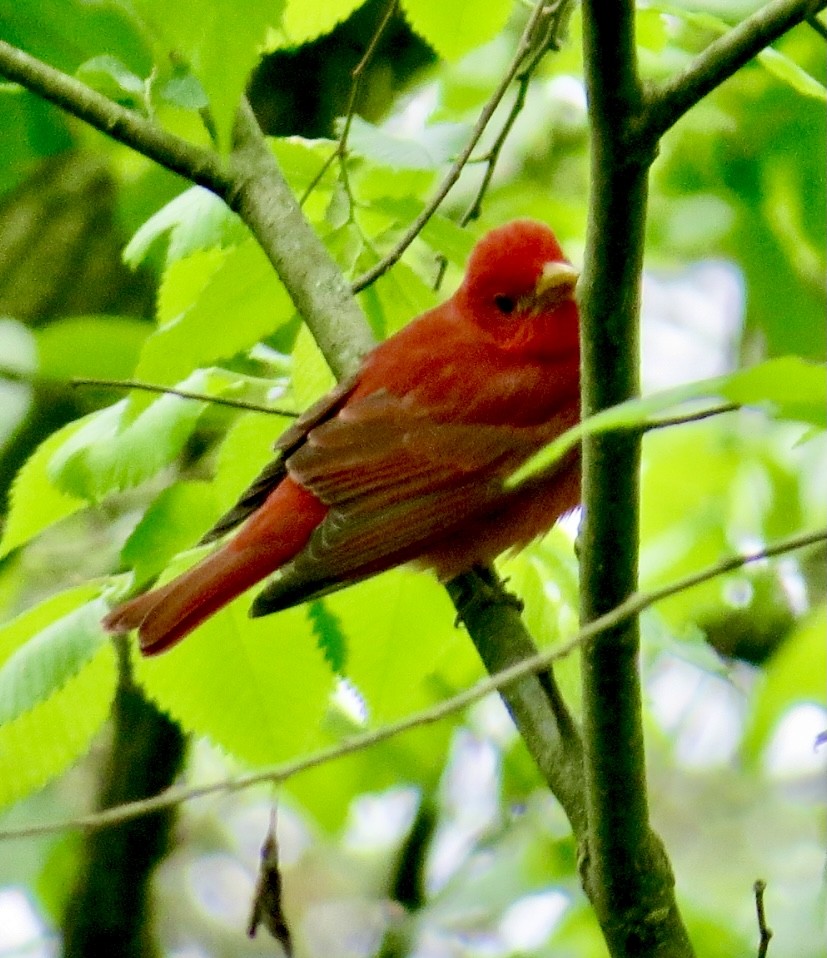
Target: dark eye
505,304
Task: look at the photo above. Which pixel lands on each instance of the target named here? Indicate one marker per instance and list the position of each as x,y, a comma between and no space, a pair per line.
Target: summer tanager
407,459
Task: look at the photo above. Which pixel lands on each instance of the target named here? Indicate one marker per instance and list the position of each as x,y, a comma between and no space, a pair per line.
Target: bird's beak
556,284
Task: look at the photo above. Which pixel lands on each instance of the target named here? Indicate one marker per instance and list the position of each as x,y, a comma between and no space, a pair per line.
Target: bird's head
519,287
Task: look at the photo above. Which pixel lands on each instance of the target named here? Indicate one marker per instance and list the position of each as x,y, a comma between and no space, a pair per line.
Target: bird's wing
395,479
273,473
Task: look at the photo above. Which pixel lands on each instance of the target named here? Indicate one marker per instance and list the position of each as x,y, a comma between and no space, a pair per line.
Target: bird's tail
270,539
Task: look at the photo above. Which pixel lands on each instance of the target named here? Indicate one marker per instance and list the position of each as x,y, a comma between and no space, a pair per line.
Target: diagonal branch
668,102
260,195
551,736
632,607
249,181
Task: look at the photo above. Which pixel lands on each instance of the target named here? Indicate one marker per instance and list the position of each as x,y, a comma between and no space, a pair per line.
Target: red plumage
406,460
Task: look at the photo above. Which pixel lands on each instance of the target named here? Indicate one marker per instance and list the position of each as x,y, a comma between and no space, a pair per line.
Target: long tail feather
269,539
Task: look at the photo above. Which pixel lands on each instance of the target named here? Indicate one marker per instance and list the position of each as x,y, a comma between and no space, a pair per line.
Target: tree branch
249,181
667,103
625,870
631,608
182,394
319,291
492,618
557,15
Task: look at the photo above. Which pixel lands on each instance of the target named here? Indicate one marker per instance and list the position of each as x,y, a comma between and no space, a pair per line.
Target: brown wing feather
273,473
396,481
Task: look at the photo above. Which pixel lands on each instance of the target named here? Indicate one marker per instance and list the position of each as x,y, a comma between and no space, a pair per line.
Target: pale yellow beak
556,283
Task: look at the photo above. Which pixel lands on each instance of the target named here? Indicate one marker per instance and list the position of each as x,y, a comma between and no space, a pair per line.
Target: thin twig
357,75
667,103
633,606
764,930
548,41
682,420
184,394
524,48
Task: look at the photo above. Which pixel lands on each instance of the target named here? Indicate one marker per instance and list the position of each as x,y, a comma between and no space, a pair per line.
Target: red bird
406,459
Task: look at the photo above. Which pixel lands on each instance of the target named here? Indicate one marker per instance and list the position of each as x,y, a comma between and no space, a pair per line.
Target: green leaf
109,453
400,629
110,76
185,280
306,21
300,161
792,388
396,298
195,220
62,692
256,688
436,146
104,347
175,521
64,33
35,502
220,41
247,448
312,377
454,29
183,89
46,659
238,303
789,72
780,66
328,630
40,744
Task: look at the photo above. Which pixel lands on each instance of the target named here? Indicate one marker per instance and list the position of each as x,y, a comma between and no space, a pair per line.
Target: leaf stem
184,394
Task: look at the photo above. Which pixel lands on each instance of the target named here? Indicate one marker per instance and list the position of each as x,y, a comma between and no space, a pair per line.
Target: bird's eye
505,304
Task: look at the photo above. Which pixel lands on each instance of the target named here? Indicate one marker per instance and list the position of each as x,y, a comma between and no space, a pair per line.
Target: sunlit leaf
305,21
195,220
240,303
789,387
110,76
48,657
176,520
453,29
433,148
109,453
43,742
104,347
35,501
256,688
219,41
